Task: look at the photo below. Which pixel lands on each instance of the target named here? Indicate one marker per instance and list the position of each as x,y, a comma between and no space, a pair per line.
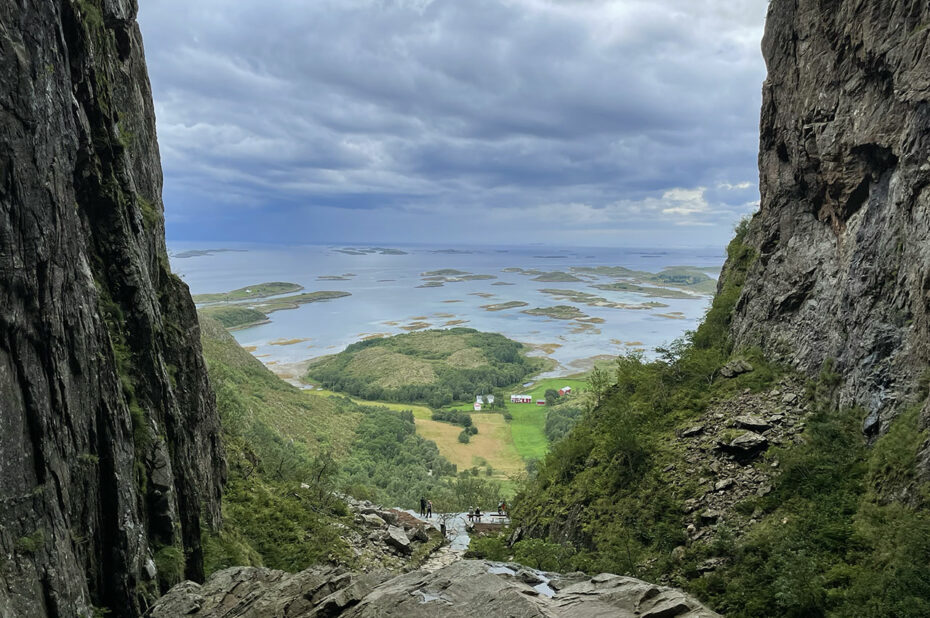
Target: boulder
371,519
418,534
388,516
397,538
735,367
709,517
692,431
745,446
529,577
749,421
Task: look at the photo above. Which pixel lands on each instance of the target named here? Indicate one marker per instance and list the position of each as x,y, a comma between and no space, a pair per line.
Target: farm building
521,399
565,390
477,406
540,402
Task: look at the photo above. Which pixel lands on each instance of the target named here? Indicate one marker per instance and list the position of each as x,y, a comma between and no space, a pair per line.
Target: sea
389,295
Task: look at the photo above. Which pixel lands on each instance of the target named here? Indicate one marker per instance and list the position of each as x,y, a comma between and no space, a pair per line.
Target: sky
569,122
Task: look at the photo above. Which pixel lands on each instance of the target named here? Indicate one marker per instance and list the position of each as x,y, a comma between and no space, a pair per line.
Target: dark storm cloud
623,115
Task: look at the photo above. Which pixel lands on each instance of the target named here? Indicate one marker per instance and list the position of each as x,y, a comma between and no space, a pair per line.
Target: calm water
385,296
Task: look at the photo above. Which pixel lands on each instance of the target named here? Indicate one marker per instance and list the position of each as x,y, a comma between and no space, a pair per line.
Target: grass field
527,429
494,443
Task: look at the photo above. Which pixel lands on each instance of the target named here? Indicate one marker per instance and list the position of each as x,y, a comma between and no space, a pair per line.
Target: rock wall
843,231
110,461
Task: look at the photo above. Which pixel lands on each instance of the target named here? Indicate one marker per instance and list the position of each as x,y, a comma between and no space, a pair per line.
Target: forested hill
433,366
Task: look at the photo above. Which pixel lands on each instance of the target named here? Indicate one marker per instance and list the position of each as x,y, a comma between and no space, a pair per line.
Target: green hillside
433,366
288,451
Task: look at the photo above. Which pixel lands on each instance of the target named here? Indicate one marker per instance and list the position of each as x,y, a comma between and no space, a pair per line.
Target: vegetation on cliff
844,530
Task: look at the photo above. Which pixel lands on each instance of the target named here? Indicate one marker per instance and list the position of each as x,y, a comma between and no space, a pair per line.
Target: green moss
92,15
31,543
170,563
151,215
88,459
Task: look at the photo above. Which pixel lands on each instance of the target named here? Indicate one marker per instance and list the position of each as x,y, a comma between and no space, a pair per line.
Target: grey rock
388,516
96,334
710,517
749,421
397,538
692,431
745,446
789,399
418,534
371,519
529,577
842,230
871,424
724,484
464,588
735,367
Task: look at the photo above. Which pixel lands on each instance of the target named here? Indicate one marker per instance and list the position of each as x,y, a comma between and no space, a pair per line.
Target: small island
513,304
558,312
259,290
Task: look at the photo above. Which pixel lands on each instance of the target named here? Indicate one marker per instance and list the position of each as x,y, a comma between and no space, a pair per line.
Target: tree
552,396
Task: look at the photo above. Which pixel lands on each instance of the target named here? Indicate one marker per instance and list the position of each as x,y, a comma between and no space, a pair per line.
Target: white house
489,398
521,399
477,407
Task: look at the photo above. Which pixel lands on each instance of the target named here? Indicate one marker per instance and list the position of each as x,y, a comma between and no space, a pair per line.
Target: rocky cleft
842,237
110,461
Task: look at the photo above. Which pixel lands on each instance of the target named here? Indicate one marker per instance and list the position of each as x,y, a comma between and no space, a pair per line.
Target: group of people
426,508
474,513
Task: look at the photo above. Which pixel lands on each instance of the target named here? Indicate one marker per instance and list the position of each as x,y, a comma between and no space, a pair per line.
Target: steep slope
843,230
111,463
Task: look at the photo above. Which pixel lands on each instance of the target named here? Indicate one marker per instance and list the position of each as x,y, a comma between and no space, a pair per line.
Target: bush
488,548
464,437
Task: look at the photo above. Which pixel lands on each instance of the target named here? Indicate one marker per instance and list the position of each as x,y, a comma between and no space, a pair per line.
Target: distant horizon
219,244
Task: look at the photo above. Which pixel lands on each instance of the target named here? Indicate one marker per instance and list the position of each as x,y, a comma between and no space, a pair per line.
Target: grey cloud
482,104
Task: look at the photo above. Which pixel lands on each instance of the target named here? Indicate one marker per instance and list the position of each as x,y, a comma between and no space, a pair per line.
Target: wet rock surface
467,588
109,443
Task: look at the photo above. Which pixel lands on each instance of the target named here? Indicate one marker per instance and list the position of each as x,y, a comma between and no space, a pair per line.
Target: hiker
471,514
500,507
503,507
478,514
429,509
422,506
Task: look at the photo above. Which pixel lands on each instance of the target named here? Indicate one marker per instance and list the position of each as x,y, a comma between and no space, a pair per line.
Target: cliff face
110,462
843,231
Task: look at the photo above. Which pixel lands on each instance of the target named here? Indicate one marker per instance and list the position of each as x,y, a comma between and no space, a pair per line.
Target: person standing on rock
422,506
429,509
